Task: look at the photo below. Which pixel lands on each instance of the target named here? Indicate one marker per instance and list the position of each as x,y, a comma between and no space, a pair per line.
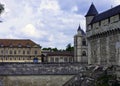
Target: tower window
84,42
84,53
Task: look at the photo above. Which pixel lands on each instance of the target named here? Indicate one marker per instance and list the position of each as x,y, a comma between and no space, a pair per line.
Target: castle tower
80,46
90,15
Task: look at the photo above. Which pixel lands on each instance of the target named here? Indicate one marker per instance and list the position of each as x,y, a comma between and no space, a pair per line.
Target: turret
80,31
90,14
79,41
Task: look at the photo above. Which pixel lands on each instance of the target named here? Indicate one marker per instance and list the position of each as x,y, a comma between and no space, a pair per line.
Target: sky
49,23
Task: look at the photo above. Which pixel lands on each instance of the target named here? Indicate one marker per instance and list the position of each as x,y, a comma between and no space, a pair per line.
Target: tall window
56,59
18,51
1,51
84,42
23,52
10,51
15,52
84,53
28,52
51,59
35,51
65,59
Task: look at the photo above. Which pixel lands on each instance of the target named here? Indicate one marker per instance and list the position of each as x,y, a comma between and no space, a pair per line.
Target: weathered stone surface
38,80
40,69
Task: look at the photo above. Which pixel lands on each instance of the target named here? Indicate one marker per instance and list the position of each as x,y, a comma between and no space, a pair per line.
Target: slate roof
104,15
79,29
92,11
17,43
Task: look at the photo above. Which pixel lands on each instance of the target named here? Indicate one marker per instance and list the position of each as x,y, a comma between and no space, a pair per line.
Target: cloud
116,2
50,23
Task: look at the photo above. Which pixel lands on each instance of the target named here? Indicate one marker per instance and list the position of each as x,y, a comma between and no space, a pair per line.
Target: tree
69,47
51,49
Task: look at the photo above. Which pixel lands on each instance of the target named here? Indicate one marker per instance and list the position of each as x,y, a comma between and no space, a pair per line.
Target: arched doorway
35,60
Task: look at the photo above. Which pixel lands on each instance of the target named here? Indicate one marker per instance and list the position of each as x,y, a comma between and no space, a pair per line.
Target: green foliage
51,49
69,47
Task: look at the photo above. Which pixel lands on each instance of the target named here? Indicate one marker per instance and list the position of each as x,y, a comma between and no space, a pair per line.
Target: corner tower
80,46
92,12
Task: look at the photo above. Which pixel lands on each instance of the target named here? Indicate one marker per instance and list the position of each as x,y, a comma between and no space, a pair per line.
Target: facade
80,47
58,56
103,36
16,50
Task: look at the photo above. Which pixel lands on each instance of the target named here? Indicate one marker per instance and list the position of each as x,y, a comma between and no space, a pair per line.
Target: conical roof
92,11
80,30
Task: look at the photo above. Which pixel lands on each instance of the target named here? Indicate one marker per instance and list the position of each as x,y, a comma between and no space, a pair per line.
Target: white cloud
43,21
49,5
74,9
116,2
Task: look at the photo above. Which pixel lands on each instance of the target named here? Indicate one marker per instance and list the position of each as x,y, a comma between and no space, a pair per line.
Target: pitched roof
92,11
106,14
16,43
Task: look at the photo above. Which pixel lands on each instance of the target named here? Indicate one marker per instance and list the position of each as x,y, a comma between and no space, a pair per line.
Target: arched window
84,42
84,53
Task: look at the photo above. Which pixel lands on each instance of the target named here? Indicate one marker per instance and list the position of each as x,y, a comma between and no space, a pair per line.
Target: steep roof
79,29
17,43
104,15
92,11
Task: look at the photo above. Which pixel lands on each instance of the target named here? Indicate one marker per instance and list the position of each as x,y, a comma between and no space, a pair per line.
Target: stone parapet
40,68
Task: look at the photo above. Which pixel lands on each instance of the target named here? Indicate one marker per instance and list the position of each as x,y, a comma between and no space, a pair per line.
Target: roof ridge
106,14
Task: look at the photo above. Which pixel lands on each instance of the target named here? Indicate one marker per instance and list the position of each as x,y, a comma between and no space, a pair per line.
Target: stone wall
34,80
40,68
40,74
103,49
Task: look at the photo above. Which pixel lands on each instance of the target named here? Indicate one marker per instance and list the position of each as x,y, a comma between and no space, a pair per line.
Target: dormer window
19,45
2,45
11,45
27,45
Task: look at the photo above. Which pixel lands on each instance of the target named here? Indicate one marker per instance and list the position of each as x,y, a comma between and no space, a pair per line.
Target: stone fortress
103,36
97,49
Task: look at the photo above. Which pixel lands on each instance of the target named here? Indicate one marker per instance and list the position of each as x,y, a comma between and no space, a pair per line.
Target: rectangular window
35,52
56,59
10,51
51,59
19,51
28,52
15,52
1,51
23,52
65,59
